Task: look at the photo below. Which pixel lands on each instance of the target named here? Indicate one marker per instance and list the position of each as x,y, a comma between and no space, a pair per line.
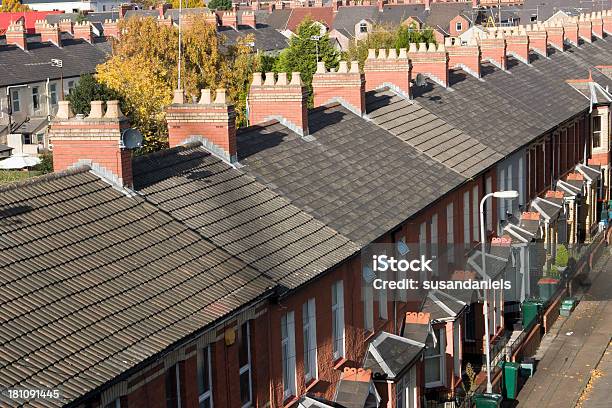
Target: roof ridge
44,178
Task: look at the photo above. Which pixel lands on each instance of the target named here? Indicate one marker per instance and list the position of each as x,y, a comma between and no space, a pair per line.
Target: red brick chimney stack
538,39
346,85
570,31
16,35
279,99
427,5
50,33
466,57
381,5
94,140
555,34
517,44
388,69
66,26
597,23
248,18
429,60
493,49
606,17
38,25
83,31
111,28
585,28
212,122
229,19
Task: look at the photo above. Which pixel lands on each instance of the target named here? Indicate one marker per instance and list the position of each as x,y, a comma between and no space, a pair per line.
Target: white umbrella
19,161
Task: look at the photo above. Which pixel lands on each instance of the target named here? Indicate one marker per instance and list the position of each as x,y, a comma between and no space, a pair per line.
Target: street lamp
510,194
58,63
316,39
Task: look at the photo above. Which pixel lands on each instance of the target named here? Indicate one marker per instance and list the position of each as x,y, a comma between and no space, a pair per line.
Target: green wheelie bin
488,400
510,378
530,309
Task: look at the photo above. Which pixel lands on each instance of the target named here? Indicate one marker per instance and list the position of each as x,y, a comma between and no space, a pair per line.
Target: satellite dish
420,80
131,138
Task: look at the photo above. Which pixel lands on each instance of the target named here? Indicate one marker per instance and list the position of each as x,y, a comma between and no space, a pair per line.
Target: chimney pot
371,53
354,67
257,79
113,111
321,67
343,67
179,96
269,79
97,110
282,79
220,96
64,111
205,99
392,53
296,79
382,53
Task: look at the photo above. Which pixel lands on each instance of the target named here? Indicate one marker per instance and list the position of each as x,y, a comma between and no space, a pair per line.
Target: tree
188,3
143,70
219,4
304,48
388,36
12,6
88,89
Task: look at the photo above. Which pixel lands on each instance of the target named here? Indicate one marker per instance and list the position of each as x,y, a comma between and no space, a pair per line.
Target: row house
227,270
54,57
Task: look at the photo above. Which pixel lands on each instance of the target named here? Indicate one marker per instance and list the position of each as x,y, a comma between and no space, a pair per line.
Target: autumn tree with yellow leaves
12,6
143,70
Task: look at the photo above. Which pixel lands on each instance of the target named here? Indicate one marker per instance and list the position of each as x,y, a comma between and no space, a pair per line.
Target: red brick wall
494,50
570,32
555,37
468,56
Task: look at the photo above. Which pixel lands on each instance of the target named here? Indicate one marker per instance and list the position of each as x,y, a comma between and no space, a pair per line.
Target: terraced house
225,271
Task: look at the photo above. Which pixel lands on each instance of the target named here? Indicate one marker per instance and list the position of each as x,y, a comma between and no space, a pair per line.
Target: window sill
311,384
339,363
290,401
368,335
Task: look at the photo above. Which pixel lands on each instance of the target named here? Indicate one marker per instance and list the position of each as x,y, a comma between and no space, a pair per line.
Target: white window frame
288,355
338,329
402,295
15,99
598,132
458,26
521,175
441,334
247,367
502,202
206,395
405,390
489,204
309,331
450,232
509,203
475,212
466,218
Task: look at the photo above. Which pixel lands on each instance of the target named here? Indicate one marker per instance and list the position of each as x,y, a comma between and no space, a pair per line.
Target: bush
46,163
562,256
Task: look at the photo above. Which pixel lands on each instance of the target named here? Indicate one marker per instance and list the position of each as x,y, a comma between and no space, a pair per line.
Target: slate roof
544,9
95,282
239,214
324,15
519,105
78,56
355,177
442,305
266,38
429,133
278,19
391,355
441,14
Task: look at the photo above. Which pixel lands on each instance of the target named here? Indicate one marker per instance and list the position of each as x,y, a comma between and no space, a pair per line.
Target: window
15,105
596,131
401,248
450,233
509,203
521,181
466,218
35,98
205,398
309,320
458,26
244,361
70,86
27,138
53,93
475,213
405,390
469,324
103,7
173,387
457,348
434,359
338,319
533,18
489,204
363,28
288,354
115,404
502,187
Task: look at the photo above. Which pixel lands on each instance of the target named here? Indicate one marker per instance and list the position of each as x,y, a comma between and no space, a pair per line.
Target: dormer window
363,28
458,26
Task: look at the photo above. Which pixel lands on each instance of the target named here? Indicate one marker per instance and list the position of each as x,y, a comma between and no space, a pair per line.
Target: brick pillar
597,24
346,86
555,36
279,99
430,61
66,26
493,49
538,39
388,69
94,140
465,57
585,29
517,44
83,31
16,35
211,122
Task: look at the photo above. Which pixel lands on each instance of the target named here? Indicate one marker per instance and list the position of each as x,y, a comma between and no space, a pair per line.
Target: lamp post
483,241
316,39
59,64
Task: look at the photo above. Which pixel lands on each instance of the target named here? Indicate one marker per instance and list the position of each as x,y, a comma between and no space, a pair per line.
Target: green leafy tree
304,48
46,163
388,36
219,4
12,6
88,89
